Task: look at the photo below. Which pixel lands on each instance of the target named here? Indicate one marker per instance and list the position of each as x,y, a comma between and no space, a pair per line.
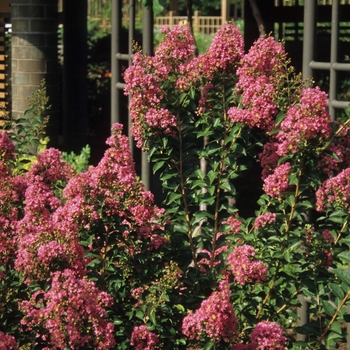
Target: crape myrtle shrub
89,262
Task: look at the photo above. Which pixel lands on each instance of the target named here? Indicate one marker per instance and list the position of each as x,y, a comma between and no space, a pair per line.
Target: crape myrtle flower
215,317
264,219
305,122
244,267
278,181
143,339
7,342
73,311
268,336
256,85
335,193
224,54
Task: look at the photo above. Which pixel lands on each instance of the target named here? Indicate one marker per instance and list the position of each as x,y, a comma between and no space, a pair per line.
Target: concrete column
34,56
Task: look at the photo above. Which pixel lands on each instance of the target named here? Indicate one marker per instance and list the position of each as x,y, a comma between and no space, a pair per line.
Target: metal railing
334,67
310,65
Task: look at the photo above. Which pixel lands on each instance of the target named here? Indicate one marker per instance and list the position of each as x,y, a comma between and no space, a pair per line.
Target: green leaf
172,197
182,97
336,327
328,308
336,290
330,340
347,111
199,173
279,118
208,345
347,318
307,329
139,314
212,175
345,256
227,186
286,255
152,317
157,166
336,219
343,275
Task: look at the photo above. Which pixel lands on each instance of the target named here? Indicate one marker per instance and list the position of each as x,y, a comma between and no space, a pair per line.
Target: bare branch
258,18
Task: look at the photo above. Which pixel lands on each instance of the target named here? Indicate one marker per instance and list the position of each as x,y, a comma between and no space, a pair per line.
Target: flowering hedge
89,261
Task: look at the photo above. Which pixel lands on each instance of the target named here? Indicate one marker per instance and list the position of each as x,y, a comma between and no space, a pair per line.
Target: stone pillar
34,56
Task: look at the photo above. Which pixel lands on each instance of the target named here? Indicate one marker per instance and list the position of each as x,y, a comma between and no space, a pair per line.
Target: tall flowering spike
335,193
176,47
244,267
143,339
268,336
143,80
222,57
262,57
114,181
215,317
226,49
73,311
306,122
257,85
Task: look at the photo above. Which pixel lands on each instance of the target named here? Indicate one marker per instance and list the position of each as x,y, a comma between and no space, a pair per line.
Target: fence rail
301,2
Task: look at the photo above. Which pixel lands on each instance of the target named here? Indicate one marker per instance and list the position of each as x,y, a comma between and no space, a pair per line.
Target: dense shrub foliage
88,261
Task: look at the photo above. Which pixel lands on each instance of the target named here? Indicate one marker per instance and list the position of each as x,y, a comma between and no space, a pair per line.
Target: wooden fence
4,69
201,24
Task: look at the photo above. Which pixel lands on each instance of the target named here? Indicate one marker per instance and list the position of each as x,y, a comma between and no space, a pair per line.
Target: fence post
196,21
171,19
225,11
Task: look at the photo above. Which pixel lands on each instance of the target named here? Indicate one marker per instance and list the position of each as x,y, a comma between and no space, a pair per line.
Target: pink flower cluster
45,242
335,193
73,313
264,219
143,339
222,57
305,122
7,148
176,48
213,257
215,317
114,182
268,159
235,225
144,83
268,336
278,181
256,85
244,267
340,147
7,342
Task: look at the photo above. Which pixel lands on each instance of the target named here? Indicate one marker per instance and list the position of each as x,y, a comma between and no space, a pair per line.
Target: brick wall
34,55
